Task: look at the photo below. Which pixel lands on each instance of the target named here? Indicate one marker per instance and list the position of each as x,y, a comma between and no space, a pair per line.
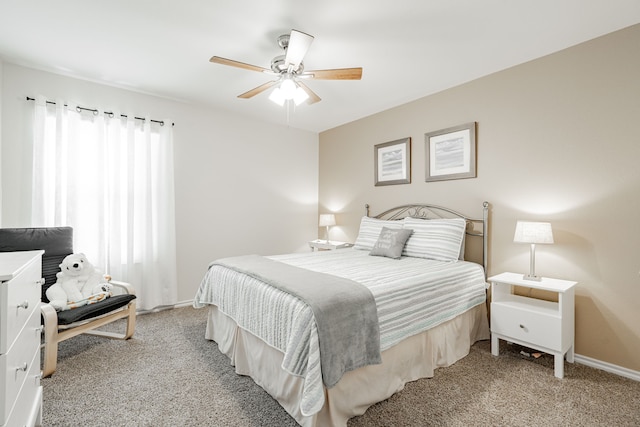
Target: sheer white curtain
111,179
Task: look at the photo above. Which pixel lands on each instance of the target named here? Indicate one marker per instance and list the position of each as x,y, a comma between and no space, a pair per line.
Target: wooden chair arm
128,288
50,315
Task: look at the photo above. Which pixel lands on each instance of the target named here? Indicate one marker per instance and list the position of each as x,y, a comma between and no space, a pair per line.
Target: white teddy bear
78,283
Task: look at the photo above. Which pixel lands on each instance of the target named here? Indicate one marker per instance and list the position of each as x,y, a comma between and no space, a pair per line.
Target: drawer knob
24,305
22,368
521,326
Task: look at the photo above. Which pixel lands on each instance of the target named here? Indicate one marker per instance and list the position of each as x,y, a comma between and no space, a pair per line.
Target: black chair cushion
57,243
90,311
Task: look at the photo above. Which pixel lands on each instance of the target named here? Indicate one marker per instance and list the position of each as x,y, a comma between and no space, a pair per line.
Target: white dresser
20,331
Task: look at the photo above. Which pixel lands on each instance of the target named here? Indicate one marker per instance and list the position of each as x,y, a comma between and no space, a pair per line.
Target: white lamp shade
288,88
327,220
300,96
533,232
277,96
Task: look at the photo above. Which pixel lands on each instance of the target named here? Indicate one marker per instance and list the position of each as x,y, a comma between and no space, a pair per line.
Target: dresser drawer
526,325
28,405
20,367
21,298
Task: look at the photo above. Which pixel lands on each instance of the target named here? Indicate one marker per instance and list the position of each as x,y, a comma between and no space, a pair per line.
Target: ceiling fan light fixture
277,97
288,88
300,96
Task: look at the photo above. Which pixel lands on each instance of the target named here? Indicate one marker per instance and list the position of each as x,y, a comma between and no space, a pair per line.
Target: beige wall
557,140
241,186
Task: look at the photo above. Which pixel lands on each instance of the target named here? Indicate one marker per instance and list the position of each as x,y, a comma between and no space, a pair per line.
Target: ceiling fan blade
313,98
299,44
238,64
335,74
253,92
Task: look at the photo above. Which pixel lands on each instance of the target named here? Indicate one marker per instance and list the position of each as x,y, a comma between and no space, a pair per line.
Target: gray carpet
169,375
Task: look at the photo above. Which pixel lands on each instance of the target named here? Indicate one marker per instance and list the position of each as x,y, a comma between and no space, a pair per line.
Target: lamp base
530,277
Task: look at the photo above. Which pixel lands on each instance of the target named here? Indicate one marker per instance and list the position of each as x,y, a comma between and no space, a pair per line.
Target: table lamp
533,233
327,220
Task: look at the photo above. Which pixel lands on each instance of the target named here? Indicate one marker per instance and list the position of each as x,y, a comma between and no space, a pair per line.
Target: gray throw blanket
345,311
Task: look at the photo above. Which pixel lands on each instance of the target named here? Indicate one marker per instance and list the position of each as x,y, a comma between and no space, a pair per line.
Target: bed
330,333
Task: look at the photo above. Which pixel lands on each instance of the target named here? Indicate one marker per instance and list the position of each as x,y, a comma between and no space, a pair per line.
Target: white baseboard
608,367
180,304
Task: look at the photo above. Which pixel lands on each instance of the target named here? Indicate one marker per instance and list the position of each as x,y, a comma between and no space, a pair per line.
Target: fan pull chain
288,102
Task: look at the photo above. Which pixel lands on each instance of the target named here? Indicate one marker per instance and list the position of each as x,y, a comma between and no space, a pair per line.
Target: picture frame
451,153
392,162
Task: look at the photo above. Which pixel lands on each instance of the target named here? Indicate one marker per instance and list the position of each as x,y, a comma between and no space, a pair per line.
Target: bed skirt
413,358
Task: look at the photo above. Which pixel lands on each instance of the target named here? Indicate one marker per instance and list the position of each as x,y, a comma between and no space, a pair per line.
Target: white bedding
412,295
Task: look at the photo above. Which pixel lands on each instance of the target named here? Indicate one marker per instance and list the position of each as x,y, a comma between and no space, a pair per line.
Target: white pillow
438,239
370,229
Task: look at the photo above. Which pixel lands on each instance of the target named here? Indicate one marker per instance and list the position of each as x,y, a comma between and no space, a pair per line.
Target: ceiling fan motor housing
283,41
278,65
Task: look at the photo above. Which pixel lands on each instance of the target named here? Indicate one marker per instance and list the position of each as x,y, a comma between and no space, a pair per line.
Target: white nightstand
320,244
543,325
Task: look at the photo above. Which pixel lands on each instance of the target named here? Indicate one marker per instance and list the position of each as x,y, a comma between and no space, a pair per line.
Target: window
111,179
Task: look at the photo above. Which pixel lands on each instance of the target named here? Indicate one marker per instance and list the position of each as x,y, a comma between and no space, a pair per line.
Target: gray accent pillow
391,242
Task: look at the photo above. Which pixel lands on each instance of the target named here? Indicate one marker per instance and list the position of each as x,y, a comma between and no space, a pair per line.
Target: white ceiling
407,48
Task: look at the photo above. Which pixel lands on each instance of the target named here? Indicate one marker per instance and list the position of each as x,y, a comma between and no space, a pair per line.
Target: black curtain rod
109,113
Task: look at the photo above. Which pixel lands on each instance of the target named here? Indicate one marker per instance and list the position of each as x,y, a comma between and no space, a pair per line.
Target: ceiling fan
289,70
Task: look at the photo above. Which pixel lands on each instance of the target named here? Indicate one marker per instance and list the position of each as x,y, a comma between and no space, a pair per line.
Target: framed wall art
451,153
393,162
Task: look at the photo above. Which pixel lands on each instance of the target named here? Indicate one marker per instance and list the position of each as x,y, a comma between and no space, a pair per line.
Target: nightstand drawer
536,328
